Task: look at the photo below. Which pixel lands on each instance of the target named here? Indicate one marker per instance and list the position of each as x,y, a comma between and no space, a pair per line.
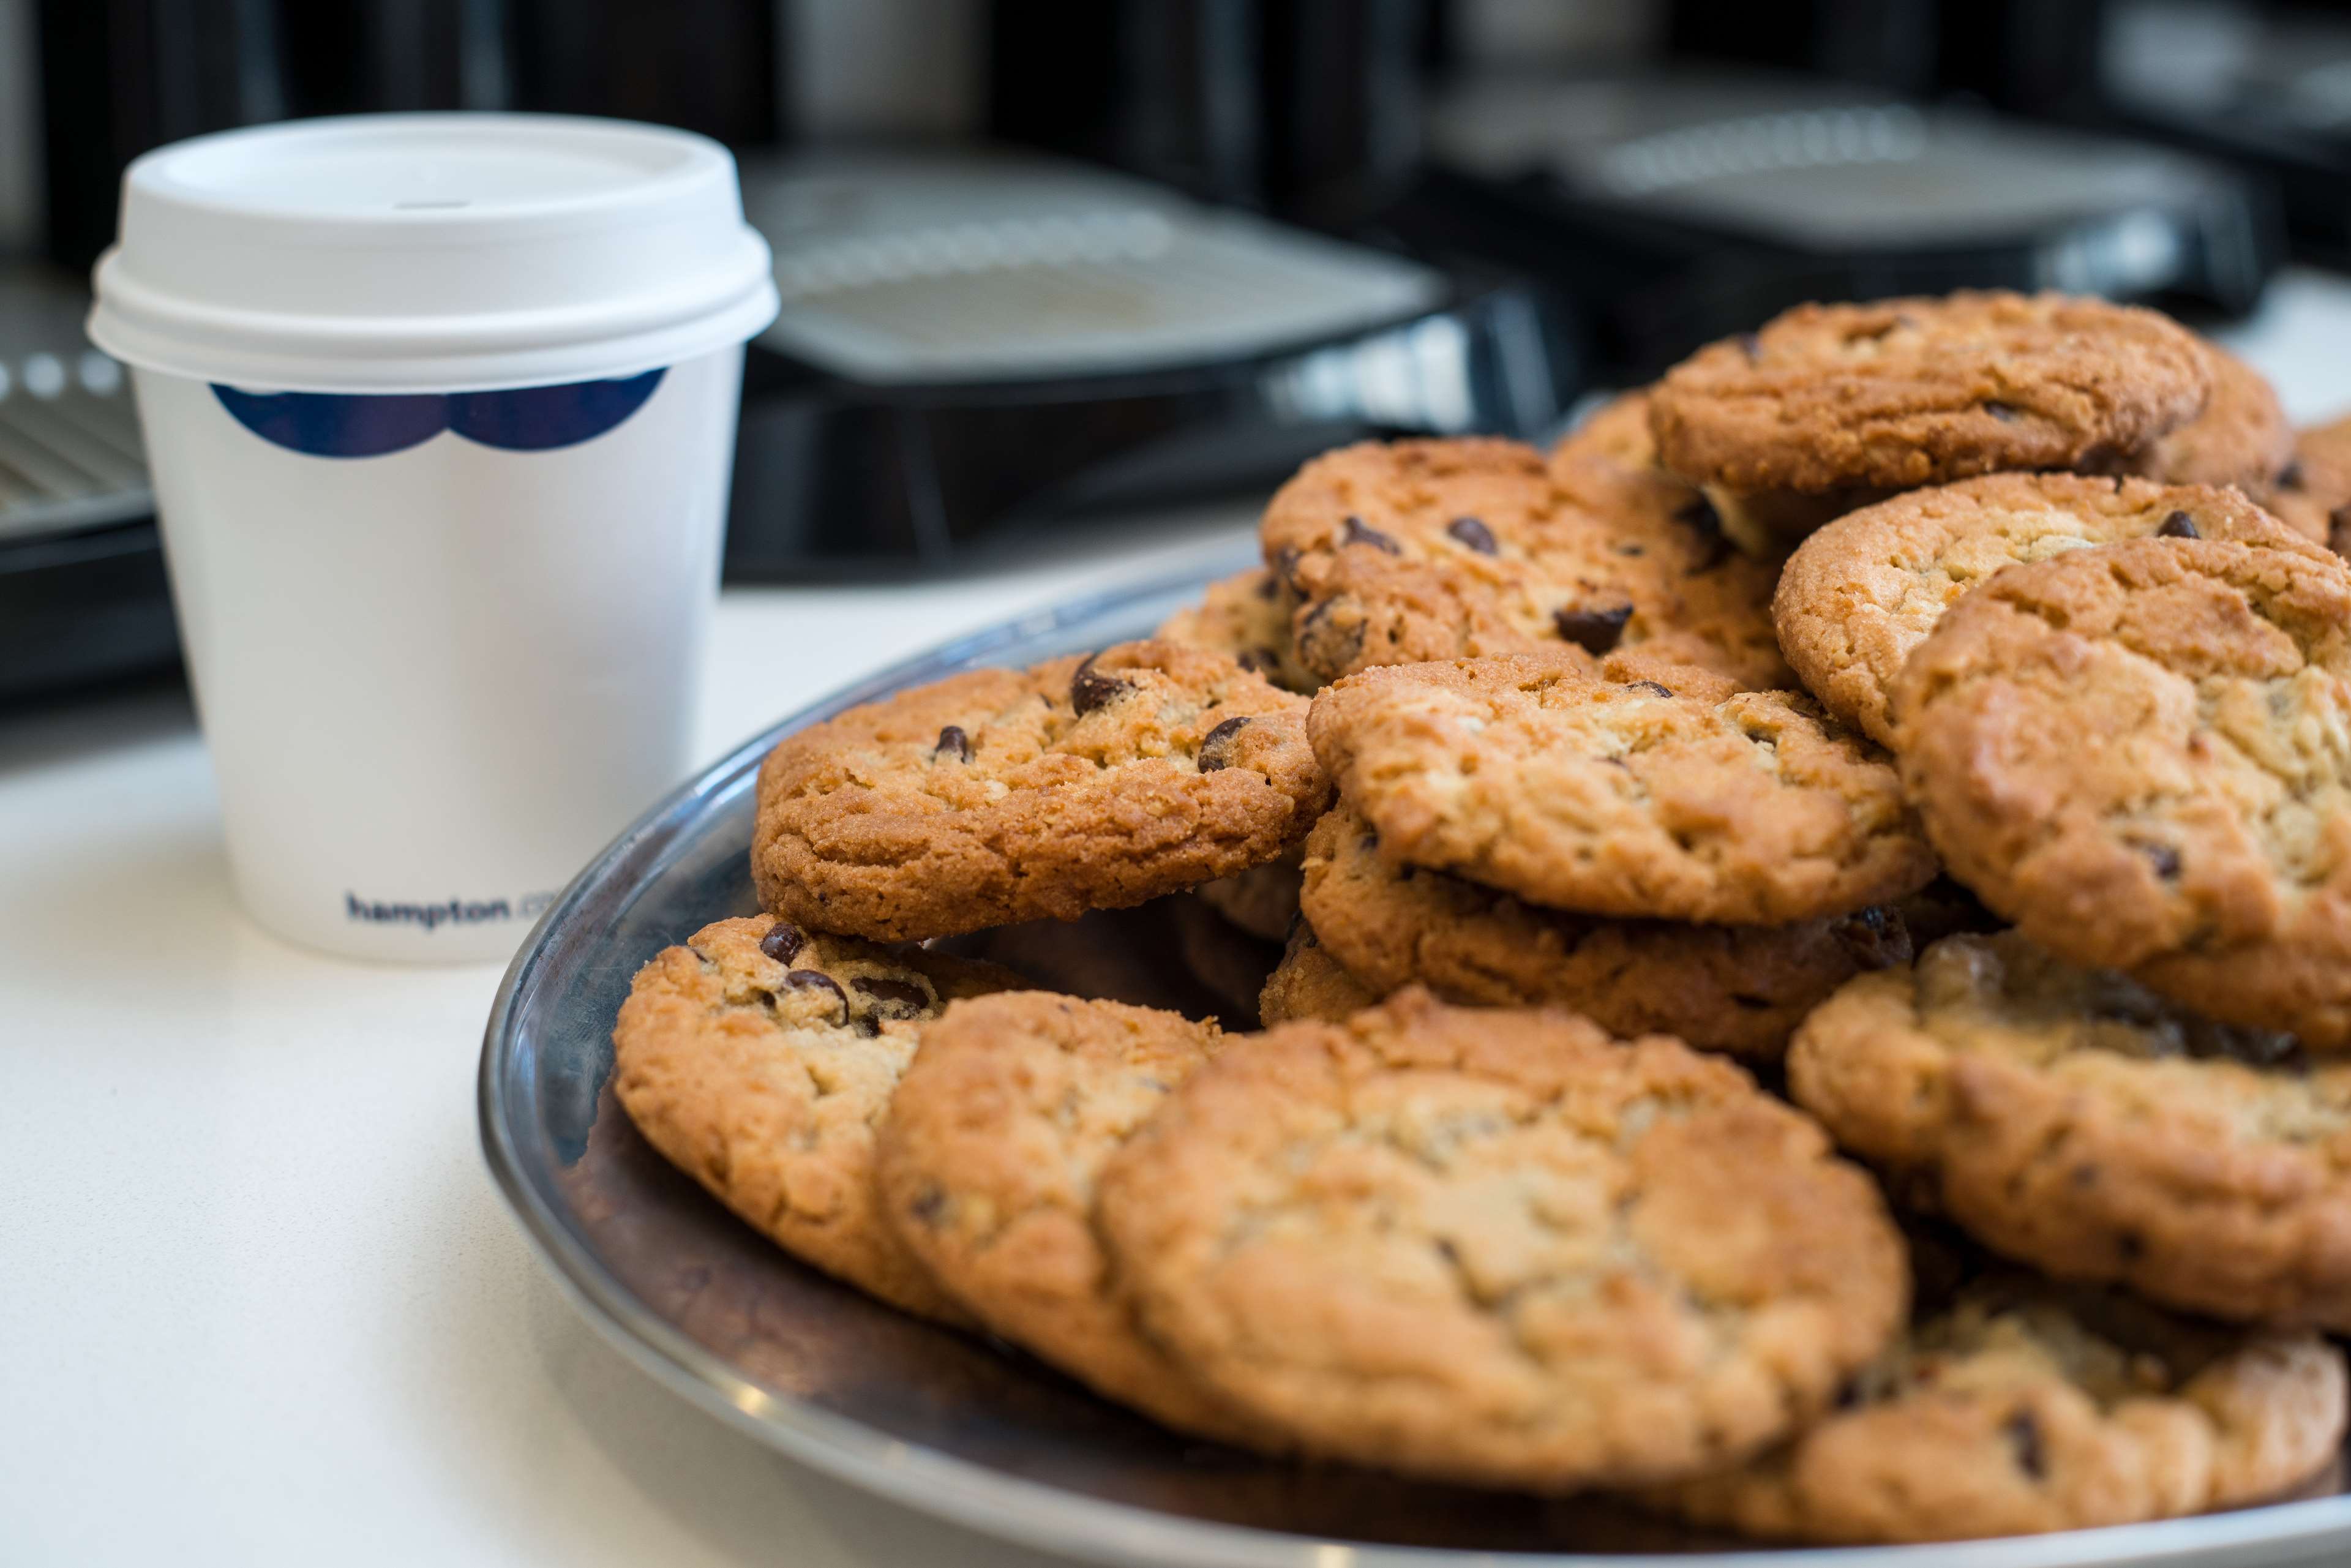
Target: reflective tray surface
970,1430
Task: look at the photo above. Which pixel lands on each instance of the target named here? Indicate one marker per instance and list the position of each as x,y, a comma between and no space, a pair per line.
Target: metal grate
69,451
898,267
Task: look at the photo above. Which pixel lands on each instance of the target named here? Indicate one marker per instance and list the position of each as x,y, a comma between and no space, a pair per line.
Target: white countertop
259,1302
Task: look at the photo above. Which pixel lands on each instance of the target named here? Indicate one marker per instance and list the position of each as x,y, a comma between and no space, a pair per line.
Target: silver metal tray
972,1431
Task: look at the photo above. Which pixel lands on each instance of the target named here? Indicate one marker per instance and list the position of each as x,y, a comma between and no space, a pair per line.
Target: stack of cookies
1817,993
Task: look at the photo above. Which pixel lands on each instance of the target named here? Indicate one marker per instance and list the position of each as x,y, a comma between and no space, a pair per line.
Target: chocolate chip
1217,745
1473,533
2178,526
1327,645
1714,546
1285,567
2129,1246
2006,413
1752,346
1256,661
1089,688
813,979
1593,630
1752,1004
1848,1395
895,993
1656,688
2023,1431
783,943
1271,589
1357,533
928,1206
2163,858
1875,937
953,742
2340,519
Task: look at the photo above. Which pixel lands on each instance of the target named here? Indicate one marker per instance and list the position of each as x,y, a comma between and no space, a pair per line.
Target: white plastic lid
430,253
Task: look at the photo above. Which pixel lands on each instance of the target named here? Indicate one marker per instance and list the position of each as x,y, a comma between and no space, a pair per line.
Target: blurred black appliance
1307,109
2263,85
976,346
1684,205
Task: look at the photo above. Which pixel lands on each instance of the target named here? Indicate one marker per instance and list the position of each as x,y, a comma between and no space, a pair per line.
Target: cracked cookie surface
756,1057
1861,594
987,1166
2074,1119
1687,802
1442,549
1246,617
1496,1246
2021,1407
1738,988
2141,754
1904,392
1003,795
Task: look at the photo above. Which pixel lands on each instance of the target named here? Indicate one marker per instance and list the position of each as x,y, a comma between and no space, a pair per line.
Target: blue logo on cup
526,419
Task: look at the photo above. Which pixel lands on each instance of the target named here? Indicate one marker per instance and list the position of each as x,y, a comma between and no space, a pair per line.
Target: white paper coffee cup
439,410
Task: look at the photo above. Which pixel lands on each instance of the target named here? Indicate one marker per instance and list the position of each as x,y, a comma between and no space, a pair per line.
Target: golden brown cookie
1495,1246
1442,549
1691,801
1904,392
1864,592
1765,524
2137,754
1246,617
2071,1118
2314,493
1739,988
987,1163
2243,438
2022,1408
758,1057
1309,983
1007,795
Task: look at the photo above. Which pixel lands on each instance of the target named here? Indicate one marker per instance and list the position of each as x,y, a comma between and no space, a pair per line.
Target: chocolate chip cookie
1904,392
2137,753
1441,550
1690,801
2313,493
1309,983
2072,1118
2022,1408
1739,988
757,1057
986,1163
1497,1247
1006,795
1860,595
1246,617
2243,438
